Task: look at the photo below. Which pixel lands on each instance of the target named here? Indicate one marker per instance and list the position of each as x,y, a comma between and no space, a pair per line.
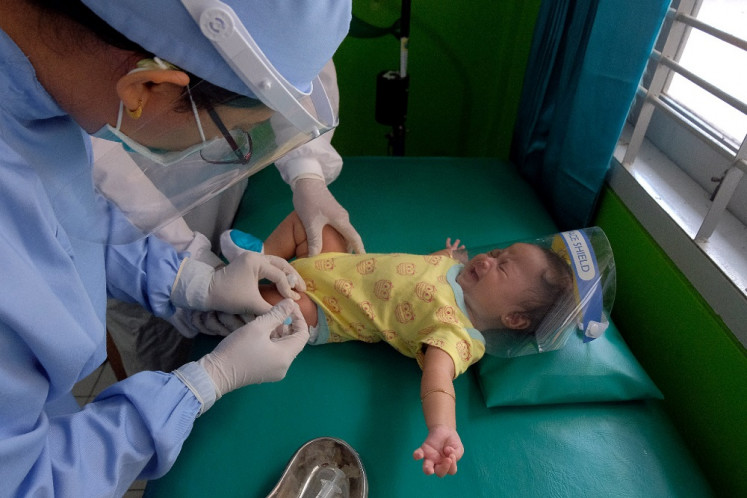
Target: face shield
209,143
232,140
579,313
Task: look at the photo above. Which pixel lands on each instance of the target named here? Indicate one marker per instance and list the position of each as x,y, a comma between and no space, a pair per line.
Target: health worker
148,342
205,92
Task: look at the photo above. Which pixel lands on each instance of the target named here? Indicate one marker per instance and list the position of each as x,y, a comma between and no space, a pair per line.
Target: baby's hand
450,248
440,451
455,250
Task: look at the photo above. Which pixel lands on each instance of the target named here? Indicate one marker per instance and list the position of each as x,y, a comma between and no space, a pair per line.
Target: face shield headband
310,113
579,314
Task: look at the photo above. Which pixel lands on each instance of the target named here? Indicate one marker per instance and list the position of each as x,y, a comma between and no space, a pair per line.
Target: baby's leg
308,307
288,240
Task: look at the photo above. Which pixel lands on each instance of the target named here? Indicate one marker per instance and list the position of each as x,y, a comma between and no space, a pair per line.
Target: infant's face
497,283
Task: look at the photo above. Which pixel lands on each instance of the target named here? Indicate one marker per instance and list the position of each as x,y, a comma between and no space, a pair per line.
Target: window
682,159
727,72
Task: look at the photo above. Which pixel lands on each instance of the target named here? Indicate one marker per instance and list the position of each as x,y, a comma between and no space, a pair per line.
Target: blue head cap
297,36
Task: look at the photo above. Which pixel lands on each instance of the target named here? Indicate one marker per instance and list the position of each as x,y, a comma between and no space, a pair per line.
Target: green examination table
560,431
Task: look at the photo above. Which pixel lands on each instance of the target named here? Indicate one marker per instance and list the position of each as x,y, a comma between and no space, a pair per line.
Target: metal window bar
687,120
684,20
723,194
707,28
712,89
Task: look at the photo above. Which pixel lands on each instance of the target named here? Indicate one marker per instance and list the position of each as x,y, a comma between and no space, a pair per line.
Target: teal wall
686,349
466,65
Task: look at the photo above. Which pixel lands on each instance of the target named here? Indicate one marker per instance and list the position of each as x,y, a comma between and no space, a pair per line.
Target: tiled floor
87,389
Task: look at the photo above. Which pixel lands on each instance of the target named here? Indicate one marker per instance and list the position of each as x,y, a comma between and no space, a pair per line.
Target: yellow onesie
407,300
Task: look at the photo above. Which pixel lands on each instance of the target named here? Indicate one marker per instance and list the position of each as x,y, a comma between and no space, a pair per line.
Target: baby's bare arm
437,388
442,448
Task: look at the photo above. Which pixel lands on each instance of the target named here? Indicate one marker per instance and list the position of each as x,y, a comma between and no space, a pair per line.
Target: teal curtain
587,58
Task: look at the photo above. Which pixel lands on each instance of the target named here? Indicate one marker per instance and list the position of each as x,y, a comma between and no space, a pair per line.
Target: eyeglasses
237,147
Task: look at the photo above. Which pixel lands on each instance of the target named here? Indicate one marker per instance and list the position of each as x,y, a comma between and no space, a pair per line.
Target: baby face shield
580,311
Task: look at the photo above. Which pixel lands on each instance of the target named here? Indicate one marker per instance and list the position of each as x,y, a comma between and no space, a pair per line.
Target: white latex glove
317,207
232,288
260,351
189,323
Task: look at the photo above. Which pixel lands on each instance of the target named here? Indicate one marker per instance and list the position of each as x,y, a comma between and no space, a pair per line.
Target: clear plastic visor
154,169
579,313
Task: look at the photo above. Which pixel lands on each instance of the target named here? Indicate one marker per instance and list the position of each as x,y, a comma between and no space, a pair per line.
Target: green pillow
601,370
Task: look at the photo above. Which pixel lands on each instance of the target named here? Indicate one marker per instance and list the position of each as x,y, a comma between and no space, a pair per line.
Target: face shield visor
580,312
230,140
217,143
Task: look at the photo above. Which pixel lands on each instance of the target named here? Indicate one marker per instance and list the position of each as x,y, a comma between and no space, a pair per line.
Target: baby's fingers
428,467
453,453
428,464
445,466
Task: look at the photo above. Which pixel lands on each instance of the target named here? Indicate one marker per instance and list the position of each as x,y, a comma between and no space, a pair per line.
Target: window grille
679,171
683,20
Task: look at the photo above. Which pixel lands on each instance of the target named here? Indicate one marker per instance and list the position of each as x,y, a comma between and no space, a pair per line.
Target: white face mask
165,158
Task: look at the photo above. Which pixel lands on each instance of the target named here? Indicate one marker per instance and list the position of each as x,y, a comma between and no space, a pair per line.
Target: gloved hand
260,351
317,207
233,288
189,323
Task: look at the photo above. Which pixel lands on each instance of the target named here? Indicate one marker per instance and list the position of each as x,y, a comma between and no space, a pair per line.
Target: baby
434,308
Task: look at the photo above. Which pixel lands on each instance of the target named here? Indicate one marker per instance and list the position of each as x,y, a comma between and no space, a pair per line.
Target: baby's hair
555,285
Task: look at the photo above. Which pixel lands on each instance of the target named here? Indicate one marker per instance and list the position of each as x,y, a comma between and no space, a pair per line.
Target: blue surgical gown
53,294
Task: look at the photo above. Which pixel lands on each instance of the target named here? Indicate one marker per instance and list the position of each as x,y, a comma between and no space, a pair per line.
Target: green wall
684,346
466,67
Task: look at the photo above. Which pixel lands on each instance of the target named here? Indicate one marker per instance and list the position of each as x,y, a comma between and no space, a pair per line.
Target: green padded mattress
367,394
